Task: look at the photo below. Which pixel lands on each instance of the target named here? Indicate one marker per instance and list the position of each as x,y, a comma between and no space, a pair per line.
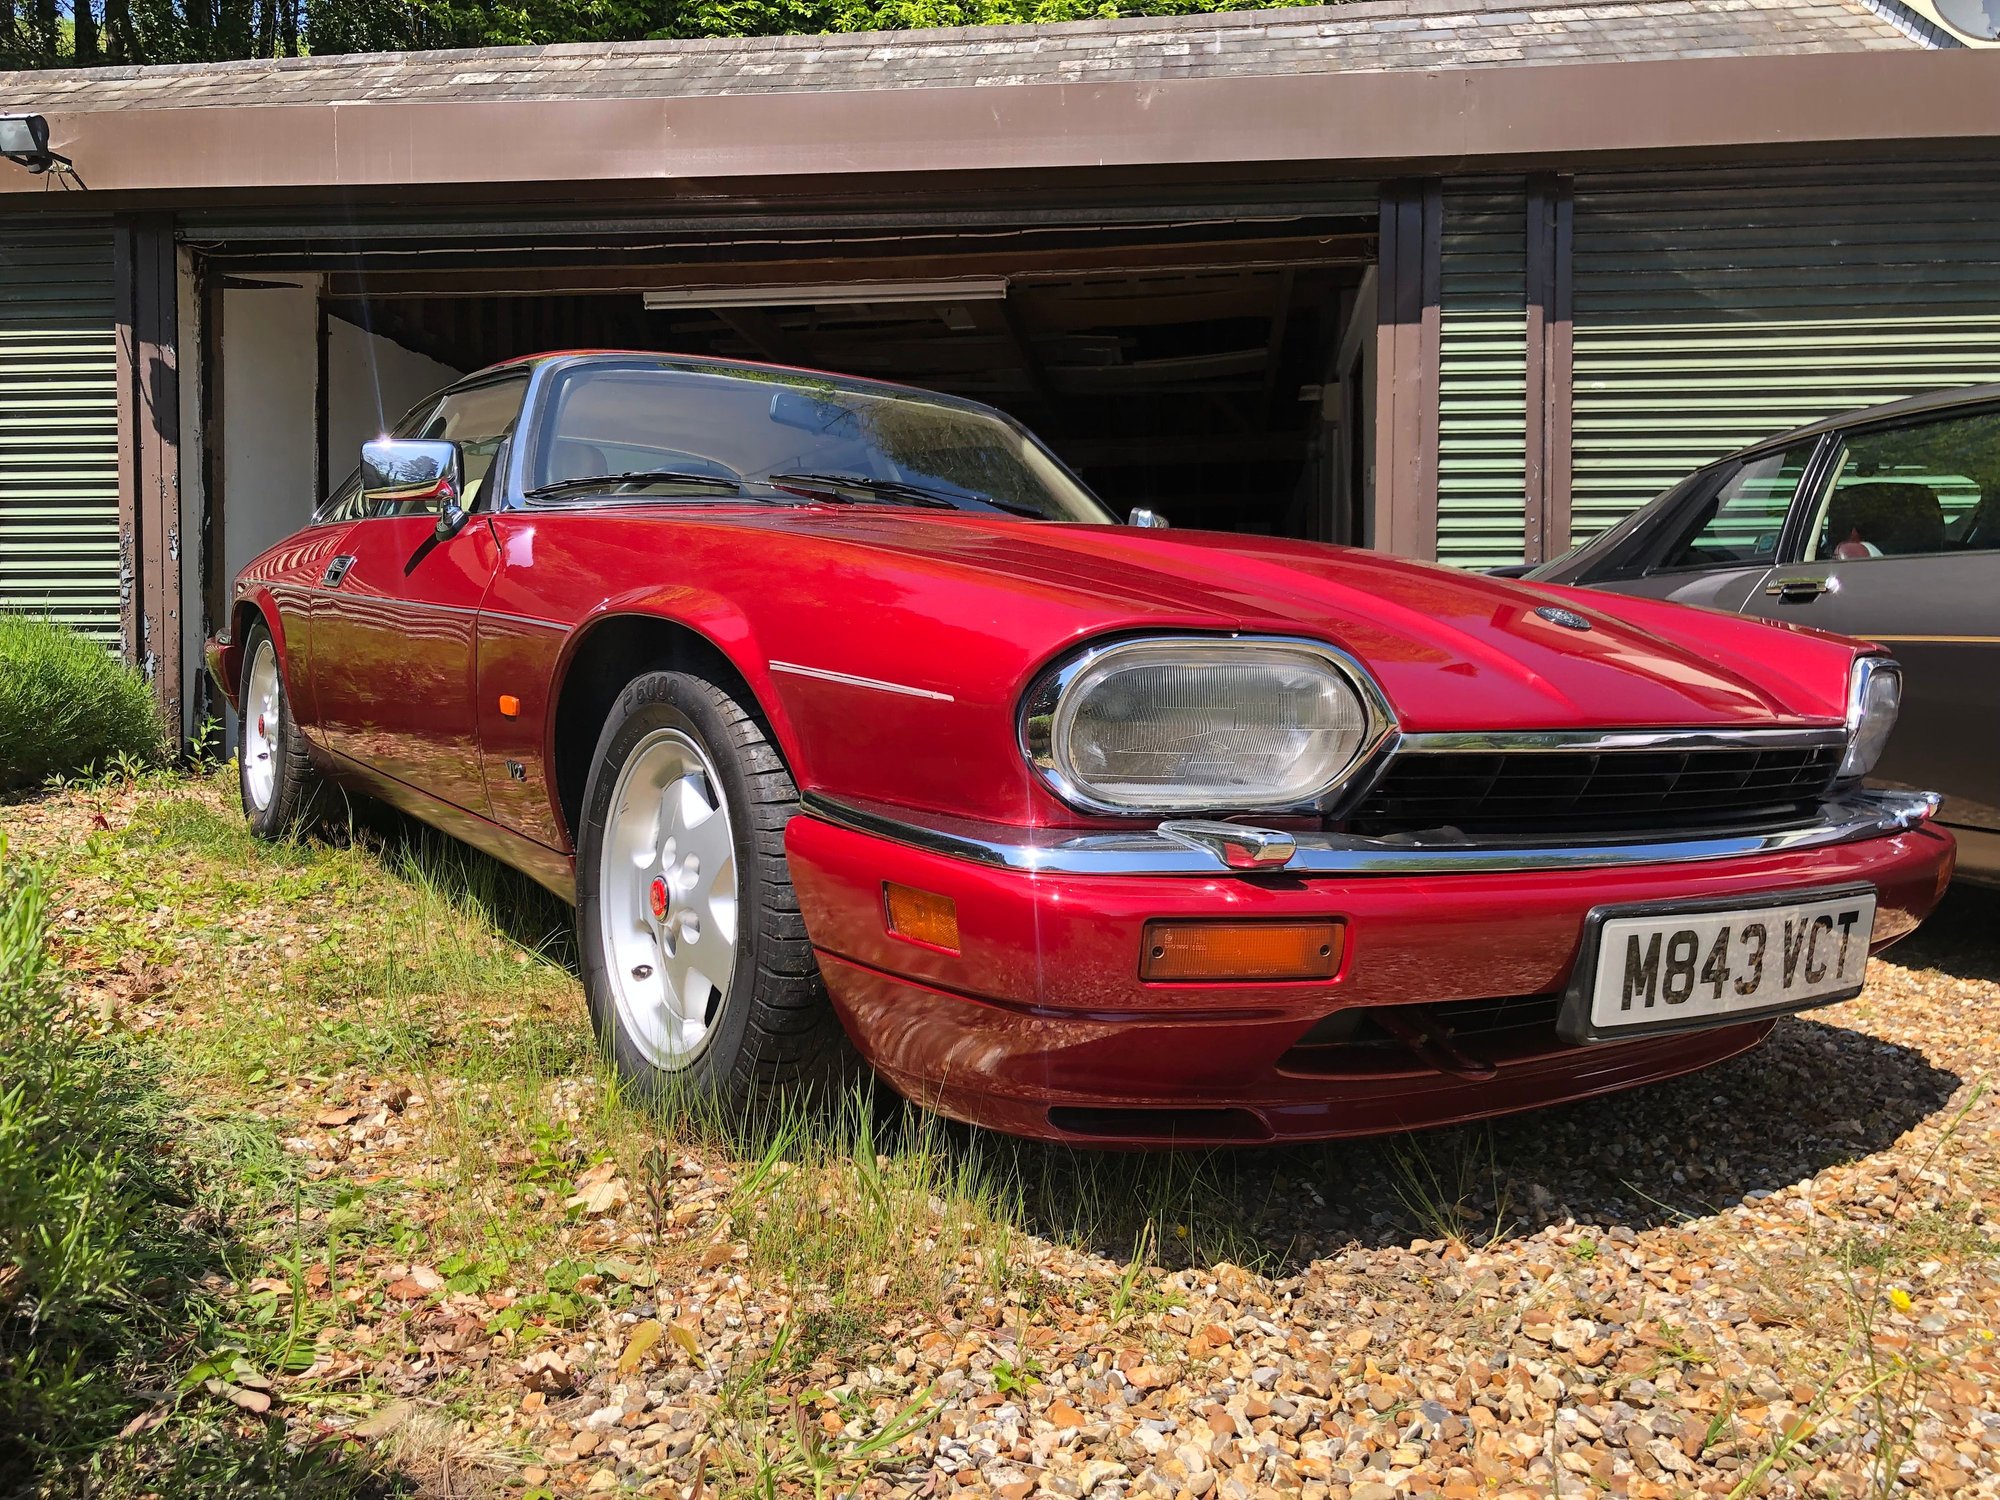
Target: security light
24,140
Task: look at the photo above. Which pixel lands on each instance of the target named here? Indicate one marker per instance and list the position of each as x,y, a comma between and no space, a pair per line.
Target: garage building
1462,279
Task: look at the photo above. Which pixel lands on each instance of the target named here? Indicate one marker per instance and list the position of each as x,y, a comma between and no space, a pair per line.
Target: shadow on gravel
1961,939
1813,1096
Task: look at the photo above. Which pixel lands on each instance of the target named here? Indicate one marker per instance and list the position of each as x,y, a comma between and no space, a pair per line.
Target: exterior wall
1482,376
1717,308
59,504
1699,310
370,382
270,365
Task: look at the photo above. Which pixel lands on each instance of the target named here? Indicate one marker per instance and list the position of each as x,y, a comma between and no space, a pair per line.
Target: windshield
661,429
1581,564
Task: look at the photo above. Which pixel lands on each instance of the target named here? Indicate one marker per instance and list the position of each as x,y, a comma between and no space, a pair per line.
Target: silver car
1883,524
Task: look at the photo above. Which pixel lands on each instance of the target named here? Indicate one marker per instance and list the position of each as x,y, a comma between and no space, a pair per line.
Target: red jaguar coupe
843,707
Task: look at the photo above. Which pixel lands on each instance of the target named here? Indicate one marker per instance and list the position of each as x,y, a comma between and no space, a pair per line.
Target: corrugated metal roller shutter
59,428
1482,385
1713,309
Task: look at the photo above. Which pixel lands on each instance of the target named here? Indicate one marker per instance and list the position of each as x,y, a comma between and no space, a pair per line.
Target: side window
1739,524
479,419
344,504
1915,491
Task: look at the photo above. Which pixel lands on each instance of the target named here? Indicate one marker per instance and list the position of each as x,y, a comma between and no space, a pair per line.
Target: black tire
772,1026
293,796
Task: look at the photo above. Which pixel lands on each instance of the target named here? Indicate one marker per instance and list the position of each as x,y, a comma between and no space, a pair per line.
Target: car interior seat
571,458
1885,518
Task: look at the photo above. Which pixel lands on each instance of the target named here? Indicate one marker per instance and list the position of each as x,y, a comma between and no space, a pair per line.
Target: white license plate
1660,968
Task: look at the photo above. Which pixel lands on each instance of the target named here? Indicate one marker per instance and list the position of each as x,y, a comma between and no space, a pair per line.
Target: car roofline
715,362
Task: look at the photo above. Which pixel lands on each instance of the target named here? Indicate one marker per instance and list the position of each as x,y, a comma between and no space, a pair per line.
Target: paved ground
1779,1277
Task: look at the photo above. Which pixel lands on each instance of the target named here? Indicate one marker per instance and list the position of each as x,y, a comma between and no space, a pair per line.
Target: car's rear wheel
274,772
700,979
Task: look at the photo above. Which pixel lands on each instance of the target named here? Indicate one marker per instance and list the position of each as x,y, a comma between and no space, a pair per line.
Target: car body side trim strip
848,679
1160,851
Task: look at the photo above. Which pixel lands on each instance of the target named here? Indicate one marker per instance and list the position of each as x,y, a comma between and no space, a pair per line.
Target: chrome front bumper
1201,847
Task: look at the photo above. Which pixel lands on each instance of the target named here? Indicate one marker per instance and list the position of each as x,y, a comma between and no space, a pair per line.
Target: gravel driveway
1780,1277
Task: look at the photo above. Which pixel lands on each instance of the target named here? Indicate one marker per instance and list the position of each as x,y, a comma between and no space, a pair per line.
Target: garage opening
1207,369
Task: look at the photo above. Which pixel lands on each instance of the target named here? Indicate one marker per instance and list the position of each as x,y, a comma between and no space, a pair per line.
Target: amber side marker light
1241,950
921,916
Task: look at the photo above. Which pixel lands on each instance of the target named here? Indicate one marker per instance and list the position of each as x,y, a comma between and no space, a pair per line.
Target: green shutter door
1482,380
59,428
1716,308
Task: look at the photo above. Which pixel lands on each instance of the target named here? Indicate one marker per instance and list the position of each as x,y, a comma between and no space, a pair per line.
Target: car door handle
337,570
1801,590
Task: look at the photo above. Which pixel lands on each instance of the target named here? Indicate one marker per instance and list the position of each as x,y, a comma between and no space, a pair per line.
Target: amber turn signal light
510,706
921,916
1210,951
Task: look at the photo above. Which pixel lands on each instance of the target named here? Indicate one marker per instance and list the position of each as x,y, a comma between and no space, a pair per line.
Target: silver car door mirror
1150,519
407,476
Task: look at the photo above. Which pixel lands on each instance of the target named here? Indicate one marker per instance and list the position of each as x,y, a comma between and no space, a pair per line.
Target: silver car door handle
336,570
1801,590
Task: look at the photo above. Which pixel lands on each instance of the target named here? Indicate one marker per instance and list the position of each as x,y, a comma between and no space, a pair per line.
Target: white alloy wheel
263,709
668,898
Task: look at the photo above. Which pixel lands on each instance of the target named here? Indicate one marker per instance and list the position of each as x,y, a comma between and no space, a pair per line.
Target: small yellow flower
1180,1231
1899,1299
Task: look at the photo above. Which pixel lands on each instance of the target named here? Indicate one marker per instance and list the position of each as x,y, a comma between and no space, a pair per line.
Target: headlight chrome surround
1874,700
1044,725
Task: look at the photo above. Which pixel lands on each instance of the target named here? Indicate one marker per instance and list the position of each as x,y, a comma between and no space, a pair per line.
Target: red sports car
843,707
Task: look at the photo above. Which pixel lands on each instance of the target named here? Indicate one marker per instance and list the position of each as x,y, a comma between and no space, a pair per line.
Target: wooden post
1551,387
1407,367
149,425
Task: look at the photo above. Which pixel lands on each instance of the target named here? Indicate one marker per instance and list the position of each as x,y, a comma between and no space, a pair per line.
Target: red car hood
1452,650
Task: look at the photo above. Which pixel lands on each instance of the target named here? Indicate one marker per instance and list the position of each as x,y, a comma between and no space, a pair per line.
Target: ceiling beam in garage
485,280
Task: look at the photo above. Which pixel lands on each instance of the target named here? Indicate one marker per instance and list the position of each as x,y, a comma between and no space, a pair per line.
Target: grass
112,1246
257,986
68,707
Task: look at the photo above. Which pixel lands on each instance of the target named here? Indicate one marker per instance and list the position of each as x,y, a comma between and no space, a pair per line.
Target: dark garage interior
1189,366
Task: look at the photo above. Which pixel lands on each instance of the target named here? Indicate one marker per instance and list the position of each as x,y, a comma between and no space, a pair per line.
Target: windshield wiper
888,489
634,476
896,489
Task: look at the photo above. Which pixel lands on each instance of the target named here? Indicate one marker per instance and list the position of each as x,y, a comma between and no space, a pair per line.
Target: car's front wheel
700,979
274,773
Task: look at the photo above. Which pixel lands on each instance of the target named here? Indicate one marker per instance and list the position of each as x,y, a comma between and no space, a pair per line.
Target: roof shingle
1363,36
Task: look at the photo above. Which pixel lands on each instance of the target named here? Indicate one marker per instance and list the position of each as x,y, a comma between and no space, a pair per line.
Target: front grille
1564,793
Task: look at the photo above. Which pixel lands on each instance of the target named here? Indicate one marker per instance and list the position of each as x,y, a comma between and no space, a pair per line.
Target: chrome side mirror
1150,519
450,519
407,476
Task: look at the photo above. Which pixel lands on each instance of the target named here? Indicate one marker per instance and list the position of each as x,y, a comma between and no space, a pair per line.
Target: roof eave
1341,123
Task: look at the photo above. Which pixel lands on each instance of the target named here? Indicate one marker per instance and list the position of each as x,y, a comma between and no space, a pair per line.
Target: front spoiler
1202,848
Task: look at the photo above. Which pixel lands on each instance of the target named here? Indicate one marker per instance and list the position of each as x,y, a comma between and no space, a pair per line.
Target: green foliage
67,706
64,1200
207,30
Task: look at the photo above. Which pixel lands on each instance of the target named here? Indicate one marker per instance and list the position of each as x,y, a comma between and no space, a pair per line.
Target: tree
70,33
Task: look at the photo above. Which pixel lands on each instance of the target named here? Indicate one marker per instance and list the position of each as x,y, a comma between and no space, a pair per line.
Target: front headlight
1173,725
1874,696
